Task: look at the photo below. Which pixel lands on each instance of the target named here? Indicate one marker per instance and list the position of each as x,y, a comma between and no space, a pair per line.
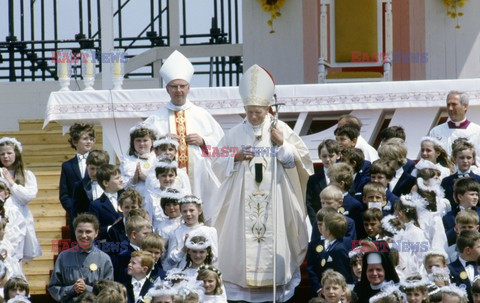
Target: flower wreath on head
190,199
389,290
416,201
461,290
187,287
410,284
439,274
12,140
211,268
175,274
434,140
198,245
171,193
387,225
143,125
158,290
165,162
164,141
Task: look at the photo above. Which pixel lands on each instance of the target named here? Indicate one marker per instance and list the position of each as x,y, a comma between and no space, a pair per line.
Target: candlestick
117,68
89,68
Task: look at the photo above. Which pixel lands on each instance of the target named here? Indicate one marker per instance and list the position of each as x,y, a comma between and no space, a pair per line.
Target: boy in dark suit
361,169
394,151
341,175
153,243
106,208
329,153
129,200
137,228
82,139
383,173
464,269
138,283
466,191
463,152
333,254
87,190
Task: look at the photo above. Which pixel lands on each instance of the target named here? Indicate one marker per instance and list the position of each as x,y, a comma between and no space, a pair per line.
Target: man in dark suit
138,283
106,208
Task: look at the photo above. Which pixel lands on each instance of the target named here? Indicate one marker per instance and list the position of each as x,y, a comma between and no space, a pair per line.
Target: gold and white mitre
177,66
256,87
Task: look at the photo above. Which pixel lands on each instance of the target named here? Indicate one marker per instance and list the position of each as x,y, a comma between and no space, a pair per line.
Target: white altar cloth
118,110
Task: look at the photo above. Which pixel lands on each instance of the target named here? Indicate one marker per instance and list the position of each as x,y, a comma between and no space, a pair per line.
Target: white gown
203,181
244,217
128,166
28,247
176,257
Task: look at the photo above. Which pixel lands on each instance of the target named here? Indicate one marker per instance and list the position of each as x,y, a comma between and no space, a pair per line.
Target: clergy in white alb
244,218
194,127
457,126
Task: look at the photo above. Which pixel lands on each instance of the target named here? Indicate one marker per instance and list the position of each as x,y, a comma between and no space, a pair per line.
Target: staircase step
47,210
52,223
38,136
36,267
26,125
37,283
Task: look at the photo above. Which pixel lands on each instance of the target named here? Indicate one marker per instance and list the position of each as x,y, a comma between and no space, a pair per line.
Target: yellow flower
273,8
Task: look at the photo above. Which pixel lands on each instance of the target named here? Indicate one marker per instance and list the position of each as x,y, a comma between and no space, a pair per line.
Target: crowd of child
385,228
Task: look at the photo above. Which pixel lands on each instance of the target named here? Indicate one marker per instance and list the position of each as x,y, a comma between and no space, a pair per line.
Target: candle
117,68
64,70
89,67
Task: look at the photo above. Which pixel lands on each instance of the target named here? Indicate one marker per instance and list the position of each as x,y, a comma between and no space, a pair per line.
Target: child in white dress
431,150
212,282
413,240
166,147
199,252
433,207
137,165
23,189
166,172
191,209
171,210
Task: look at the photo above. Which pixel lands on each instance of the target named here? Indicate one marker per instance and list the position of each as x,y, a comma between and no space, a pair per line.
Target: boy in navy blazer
138,283
329,153
137,228
153,243
466,191
463,152
332,254
82,139
87,190
106,208
464,269
361,168
394,151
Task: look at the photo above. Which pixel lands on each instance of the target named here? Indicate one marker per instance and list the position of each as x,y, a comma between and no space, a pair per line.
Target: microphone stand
274,199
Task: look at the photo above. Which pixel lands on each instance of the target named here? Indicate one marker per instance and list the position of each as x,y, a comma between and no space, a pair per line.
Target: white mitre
177,66
256,87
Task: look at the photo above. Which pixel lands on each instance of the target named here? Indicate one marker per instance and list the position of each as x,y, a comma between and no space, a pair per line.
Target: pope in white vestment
244,214
192,125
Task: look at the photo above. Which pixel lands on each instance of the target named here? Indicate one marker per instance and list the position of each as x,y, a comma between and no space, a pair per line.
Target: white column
106,10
